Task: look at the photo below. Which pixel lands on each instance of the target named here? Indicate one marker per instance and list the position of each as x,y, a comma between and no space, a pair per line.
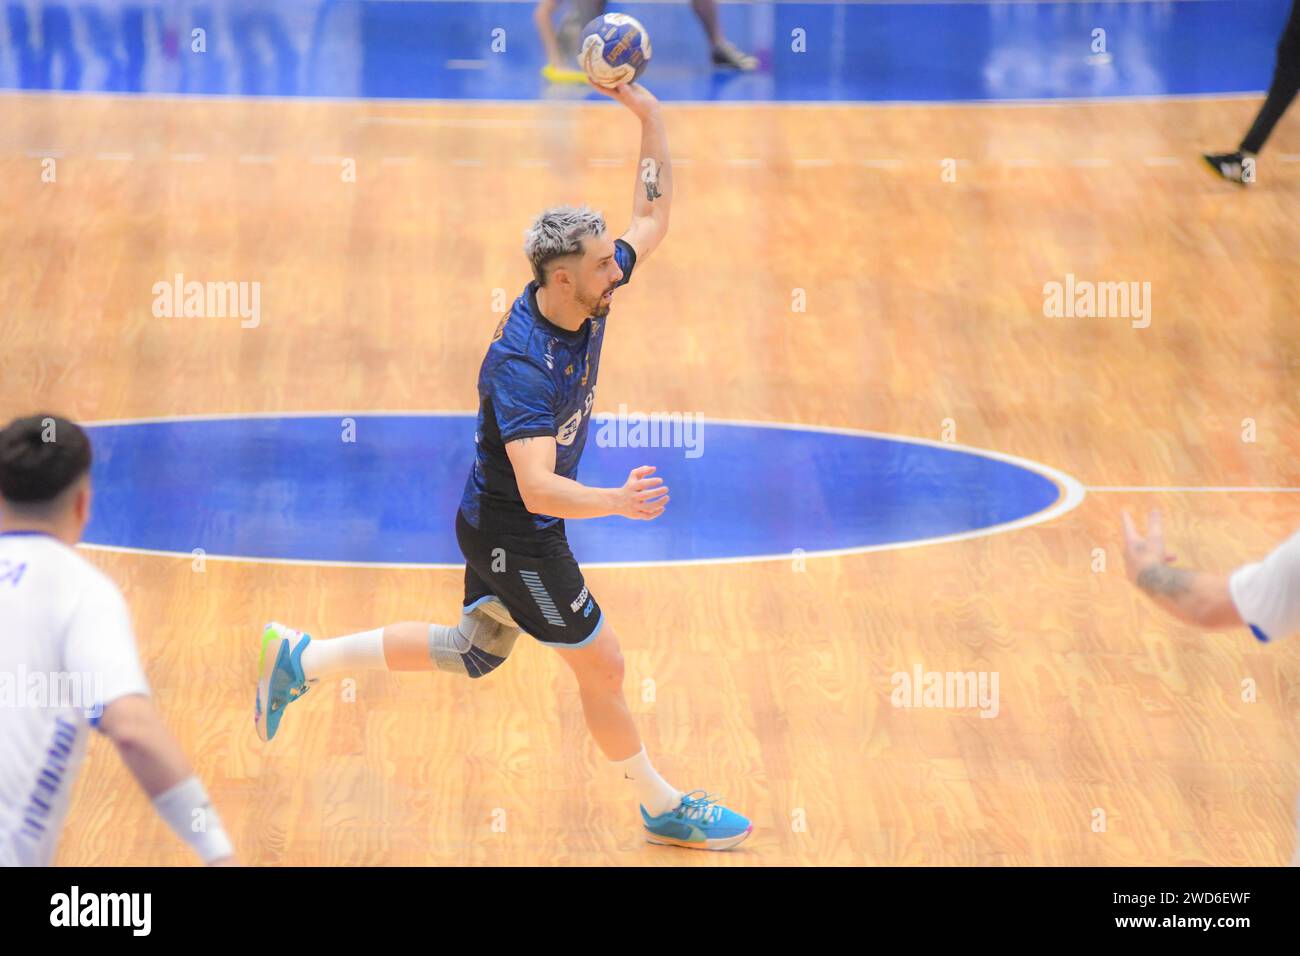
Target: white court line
854,3
1189,489
45,153
397,161
450,122
116,157
605,162
744,105
188,157
1289,157
256,158
1162,161
533,163
1018,163
818,163
1092,161
327,160
736,161
1072,493
467,162
882,163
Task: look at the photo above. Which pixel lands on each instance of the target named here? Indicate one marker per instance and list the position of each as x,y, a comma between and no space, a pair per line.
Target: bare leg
725,53
707,12
599,670
543,18
406,647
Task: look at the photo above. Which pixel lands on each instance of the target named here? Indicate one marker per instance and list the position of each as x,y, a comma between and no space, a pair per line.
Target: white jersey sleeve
100,643
1267,593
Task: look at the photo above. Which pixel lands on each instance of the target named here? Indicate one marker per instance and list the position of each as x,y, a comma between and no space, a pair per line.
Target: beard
596,306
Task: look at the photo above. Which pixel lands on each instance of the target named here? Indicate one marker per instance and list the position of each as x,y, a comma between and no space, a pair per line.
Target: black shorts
535,576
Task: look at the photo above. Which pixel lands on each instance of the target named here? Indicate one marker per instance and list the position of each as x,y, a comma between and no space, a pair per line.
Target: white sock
355,652
651,789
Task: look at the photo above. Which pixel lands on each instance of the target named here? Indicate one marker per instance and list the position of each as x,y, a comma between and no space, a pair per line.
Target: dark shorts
535,576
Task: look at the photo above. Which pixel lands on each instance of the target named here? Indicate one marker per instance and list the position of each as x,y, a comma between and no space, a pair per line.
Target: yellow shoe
557,74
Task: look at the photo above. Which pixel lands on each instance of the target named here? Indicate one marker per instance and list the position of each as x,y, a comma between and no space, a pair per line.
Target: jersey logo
569,430
12,573
550,359
568,370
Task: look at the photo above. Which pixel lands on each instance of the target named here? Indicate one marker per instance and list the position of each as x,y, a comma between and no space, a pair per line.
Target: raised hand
1142,553
632,95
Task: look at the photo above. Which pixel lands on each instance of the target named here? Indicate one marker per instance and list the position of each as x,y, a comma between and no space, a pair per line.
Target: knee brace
477,646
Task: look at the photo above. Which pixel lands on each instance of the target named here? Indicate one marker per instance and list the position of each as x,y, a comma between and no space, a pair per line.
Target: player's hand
1141,553
632,95
643,498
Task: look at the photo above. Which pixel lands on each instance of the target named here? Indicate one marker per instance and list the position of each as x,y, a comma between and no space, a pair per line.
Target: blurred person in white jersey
68,660
1263,595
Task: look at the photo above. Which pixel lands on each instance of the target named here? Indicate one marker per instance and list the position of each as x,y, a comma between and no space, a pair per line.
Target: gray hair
559,232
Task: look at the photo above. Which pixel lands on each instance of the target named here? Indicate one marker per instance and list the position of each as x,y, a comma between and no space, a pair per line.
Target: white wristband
192,817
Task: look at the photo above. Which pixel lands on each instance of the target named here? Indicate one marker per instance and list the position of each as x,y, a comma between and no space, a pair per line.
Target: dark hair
41,456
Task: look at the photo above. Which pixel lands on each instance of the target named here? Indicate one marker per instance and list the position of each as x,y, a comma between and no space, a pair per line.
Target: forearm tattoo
650,179
1160,580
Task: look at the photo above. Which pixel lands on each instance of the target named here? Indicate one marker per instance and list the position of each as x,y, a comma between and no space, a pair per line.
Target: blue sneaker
280,678
699,823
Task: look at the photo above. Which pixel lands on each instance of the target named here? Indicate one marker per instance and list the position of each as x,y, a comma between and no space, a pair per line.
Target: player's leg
725,53
292,661
1281,92
474,647
599,669
569,34
558,68
670,817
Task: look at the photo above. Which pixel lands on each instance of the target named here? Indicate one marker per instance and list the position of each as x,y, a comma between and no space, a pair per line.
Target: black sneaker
729,55
1235,167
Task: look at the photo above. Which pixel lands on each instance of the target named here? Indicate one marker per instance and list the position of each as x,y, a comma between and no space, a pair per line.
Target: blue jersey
537,379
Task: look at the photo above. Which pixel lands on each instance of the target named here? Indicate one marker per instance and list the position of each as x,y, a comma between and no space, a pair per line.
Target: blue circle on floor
384,489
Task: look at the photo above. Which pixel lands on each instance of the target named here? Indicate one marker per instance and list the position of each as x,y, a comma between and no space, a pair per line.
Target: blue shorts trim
600,622
480,601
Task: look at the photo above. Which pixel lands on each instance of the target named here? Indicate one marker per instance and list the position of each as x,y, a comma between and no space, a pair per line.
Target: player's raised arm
653,193
544,492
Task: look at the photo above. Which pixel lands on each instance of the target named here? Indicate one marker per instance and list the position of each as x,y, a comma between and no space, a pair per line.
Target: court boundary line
1192,489
850,3
1071,494
1048,101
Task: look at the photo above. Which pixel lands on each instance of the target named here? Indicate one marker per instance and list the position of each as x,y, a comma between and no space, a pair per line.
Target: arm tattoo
650,178
1160,580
